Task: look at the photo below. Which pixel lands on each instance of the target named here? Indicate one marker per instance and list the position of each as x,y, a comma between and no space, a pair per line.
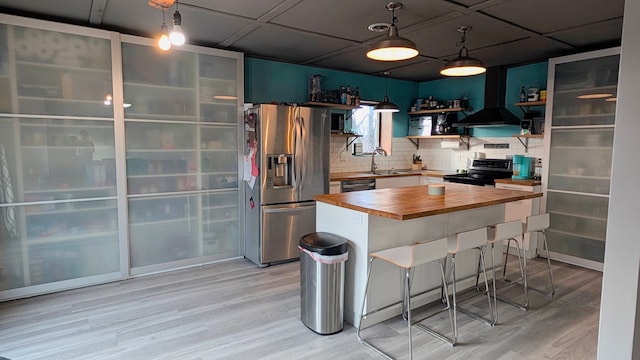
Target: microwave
420,126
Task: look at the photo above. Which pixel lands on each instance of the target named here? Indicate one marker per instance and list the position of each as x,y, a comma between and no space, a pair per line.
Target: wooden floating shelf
345,135
531,103
330,105
539,136
436,111
465,139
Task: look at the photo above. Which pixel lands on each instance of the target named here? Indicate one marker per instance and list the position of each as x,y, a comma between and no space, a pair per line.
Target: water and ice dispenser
279,170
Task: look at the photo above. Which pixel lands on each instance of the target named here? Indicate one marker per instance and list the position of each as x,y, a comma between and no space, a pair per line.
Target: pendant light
386,105
177,36
463,65
393,47
164,43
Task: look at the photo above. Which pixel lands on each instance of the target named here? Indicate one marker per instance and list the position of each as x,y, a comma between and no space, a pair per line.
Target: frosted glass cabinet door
163,229
578,225
582,160
578,154
585,91
219,156
158,85
62,74
220,224
161,157
218,89
5,79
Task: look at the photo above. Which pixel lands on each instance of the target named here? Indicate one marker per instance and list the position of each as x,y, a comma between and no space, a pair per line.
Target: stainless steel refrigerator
287,151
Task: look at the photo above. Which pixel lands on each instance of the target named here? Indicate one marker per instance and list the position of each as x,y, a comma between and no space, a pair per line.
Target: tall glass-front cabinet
579,129
115,159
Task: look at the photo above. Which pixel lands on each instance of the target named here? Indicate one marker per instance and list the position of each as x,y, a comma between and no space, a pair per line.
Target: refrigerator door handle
299,206
303,153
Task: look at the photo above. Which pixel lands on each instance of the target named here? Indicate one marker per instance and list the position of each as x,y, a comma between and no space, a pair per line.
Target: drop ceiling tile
606,33
531,49
200,26
277,42
420,71
440,40
350,19
78,10
245,8
546,16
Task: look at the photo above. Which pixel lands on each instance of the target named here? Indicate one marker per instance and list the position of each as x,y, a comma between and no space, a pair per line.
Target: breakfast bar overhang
375,220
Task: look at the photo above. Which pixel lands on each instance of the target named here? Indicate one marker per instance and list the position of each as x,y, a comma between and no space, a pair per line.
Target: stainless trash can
322,260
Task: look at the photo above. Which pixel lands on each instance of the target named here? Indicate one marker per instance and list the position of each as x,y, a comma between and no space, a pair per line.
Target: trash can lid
324,243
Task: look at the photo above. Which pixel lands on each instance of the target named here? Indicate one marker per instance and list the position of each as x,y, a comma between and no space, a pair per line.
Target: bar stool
474,239
508,232
407,258
540,223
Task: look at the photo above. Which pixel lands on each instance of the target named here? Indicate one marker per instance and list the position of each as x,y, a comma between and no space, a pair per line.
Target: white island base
368,233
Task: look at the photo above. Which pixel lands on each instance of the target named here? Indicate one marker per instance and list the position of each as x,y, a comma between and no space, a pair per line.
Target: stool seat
407,258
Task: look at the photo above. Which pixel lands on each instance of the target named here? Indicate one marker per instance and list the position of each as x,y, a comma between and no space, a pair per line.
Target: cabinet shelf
163,87
67,237
331,105
437,111
587,89
464,139
63,67
526,138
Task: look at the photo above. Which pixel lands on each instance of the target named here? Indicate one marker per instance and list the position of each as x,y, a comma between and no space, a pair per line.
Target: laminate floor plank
235,310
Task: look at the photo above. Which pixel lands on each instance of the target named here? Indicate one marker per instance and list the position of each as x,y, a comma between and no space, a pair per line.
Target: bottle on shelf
523,95
356,101
349,98
343,95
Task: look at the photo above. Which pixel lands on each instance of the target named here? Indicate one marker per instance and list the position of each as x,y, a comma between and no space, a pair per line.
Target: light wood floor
235,310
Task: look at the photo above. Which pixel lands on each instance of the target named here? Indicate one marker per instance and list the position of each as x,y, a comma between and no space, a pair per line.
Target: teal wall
272,81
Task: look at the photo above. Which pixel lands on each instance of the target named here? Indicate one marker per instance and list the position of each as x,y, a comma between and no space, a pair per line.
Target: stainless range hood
494,112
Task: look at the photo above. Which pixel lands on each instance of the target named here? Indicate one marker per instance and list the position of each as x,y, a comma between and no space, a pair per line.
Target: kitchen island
375,220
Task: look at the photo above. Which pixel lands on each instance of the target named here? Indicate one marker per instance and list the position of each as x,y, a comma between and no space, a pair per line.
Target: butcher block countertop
366,175
523,182
413,202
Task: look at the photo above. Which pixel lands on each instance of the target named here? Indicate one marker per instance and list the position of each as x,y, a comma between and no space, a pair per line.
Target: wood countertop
366,175
523,182
413,201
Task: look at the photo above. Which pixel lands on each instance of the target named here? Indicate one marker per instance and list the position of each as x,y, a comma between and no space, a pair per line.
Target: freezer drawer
282,228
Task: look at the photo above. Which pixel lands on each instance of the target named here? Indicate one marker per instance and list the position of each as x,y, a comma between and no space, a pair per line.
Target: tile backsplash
436,154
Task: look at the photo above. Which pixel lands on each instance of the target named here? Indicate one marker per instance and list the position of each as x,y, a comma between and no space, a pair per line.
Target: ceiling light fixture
177,36
386,105
463,65
164,43
393,47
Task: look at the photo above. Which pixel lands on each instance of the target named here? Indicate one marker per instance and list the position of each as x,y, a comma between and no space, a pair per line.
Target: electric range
483,172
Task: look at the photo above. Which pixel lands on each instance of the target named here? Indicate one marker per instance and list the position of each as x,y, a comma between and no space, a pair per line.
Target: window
375,128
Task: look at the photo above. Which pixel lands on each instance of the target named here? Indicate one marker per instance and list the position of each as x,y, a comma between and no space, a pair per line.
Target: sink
392,172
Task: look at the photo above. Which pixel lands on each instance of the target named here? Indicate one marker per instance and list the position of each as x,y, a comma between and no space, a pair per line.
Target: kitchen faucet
379,151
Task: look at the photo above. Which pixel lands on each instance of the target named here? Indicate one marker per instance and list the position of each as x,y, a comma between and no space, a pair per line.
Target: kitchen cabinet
385,182
334,187
182,155
426,180
519,210
58,198
580,123
91,193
